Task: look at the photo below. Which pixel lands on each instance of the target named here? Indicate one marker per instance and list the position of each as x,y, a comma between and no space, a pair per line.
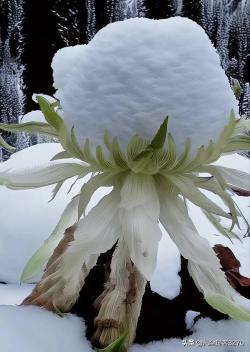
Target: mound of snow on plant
134,73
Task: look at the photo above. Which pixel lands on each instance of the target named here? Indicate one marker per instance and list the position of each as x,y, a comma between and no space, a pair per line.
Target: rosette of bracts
145,109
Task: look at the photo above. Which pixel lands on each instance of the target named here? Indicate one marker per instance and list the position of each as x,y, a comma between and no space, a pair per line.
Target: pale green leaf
56,189
215,221
40,176
175,219
30,127
171,153
118,155
118,345
61,155
36,263
107,140
191,192
135,146
237,144
213,186
227,306
89,157
88,189
103,162
160,137
235,179
236,88
5,145
182,161
51,116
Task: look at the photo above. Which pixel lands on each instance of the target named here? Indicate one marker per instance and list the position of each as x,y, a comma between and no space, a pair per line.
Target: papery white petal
203,264
142,236
190,191
227,306
89,188
40,176
209,279
218,292
83,253
96,233
99,217
140,190
91,261
235,179
174,217
139,213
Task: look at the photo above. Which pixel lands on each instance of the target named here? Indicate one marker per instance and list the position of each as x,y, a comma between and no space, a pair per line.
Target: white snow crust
35,115
208,333
13,294
32,329
135,72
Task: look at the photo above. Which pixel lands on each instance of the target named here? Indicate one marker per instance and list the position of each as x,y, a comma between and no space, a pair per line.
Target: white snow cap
136,72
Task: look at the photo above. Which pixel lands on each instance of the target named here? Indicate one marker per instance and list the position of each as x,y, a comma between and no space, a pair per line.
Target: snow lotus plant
154,163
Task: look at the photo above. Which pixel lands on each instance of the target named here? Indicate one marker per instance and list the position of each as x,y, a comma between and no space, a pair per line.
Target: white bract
152,172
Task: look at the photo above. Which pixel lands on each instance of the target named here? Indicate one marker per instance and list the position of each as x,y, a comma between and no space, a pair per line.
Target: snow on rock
35,115
208,336
189,319
26,217
136,72
50,99
32,329
166,281
13,294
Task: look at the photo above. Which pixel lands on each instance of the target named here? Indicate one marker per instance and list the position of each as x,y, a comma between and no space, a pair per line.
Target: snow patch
35,115
206,334
26,217
12,294
166,281
32,329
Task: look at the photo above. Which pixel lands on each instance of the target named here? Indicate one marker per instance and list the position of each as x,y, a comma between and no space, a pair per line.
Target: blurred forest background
31,32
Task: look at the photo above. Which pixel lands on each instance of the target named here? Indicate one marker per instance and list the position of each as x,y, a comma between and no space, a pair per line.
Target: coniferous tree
159,9
193,10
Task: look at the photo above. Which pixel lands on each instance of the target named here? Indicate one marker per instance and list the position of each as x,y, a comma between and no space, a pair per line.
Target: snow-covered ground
27,219
32,329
